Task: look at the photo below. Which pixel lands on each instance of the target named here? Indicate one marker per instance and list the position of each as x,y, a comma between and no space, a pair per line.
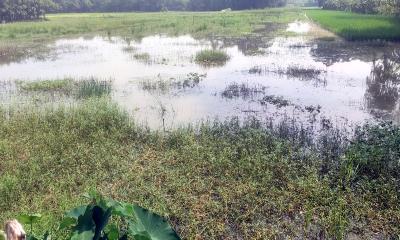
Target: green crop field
353,26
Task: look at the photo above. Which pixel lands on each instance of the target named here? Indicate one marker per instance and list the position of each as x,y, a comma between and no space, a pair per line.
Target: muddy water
294,76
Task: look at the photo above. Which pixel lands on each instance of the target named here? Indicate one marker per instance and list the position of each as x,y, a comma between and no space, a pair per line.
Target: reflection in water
157,79
333,52
384,83
299,27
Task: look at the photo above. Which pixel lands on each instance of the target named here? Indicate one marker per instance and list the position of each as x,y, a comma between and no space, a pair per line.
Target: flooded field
158,80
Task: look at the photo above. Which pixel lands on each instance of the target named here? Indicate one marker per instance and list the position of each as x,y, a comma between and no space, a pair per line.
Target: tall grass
219,180
353,26
93,87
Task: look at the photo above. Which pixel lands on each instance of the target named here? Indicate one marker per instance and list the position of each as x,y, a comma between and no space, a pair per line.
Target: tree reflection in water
383,84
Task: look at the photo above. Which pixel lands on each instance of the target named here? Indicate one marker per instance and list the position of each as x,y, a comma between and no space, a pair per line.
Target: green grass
353,26
211,57
217,181
82,88
136,25
47,85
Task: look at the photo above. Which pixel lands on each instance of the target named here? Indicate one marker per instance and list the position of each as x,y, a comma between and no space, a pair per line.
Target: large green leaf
124,210
112,232
85,228
150,226
71,217
100,218
76,212
29,219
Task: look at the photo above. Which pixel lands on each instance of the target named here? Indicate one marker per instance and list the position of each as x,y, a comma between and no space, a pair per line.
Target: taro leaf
84,230
29,219
67,222
124,210
100,201
76,212
72,216
150,226
113,232
30,237
100,218
124,237
47,236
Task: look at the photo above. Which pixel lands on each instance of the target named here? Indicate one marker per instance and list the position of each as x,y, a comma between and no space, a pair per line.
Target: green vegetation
16,10
144,57
93,88
211,57
83,88
353,26
217,181
387,7
48,85
136,25
107,219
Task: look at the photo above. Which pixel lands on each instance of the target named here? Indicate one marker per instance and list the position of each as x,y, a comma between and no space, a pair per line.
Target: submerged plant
243,90
93,88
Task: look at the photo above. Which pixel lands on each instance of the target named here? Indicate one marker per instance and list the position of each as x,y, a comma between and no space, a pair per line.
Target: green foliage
136,25
352,26
211,57
375,152
92,222
15,10
390,7
93,88
220,180
83,88
48,85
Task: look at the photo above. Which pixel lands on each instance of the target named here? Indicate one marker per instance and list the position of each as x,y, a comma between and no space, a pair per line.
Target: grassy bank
217,181
353,26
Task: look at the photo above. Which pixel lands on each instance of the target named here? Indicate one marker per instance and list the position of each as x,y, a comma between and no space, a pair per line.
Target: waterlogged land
127,104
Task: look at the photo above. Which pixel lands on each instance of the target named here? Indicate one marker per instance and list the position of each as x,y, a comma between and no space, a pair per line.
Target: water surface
294,76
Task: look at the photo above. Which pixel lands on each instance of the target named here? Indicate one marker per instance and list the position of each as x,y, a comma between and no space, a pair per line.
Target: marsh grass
244,91
277,101
64,85
93,87
293,71
82,88
165,86
304,72
143,57
210,57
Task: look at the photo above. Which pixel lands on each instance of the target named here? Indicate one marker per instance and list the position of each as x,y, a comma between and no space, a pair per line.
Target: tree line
13,10
387,7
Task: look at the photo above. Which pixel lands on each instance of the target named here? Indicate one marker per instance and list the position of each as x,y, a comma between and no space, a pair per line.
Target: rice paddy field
236,125
353,26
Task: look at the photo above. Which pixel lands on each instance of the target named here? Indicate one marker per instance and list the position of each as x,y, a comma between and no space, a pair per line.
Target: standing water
157,79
